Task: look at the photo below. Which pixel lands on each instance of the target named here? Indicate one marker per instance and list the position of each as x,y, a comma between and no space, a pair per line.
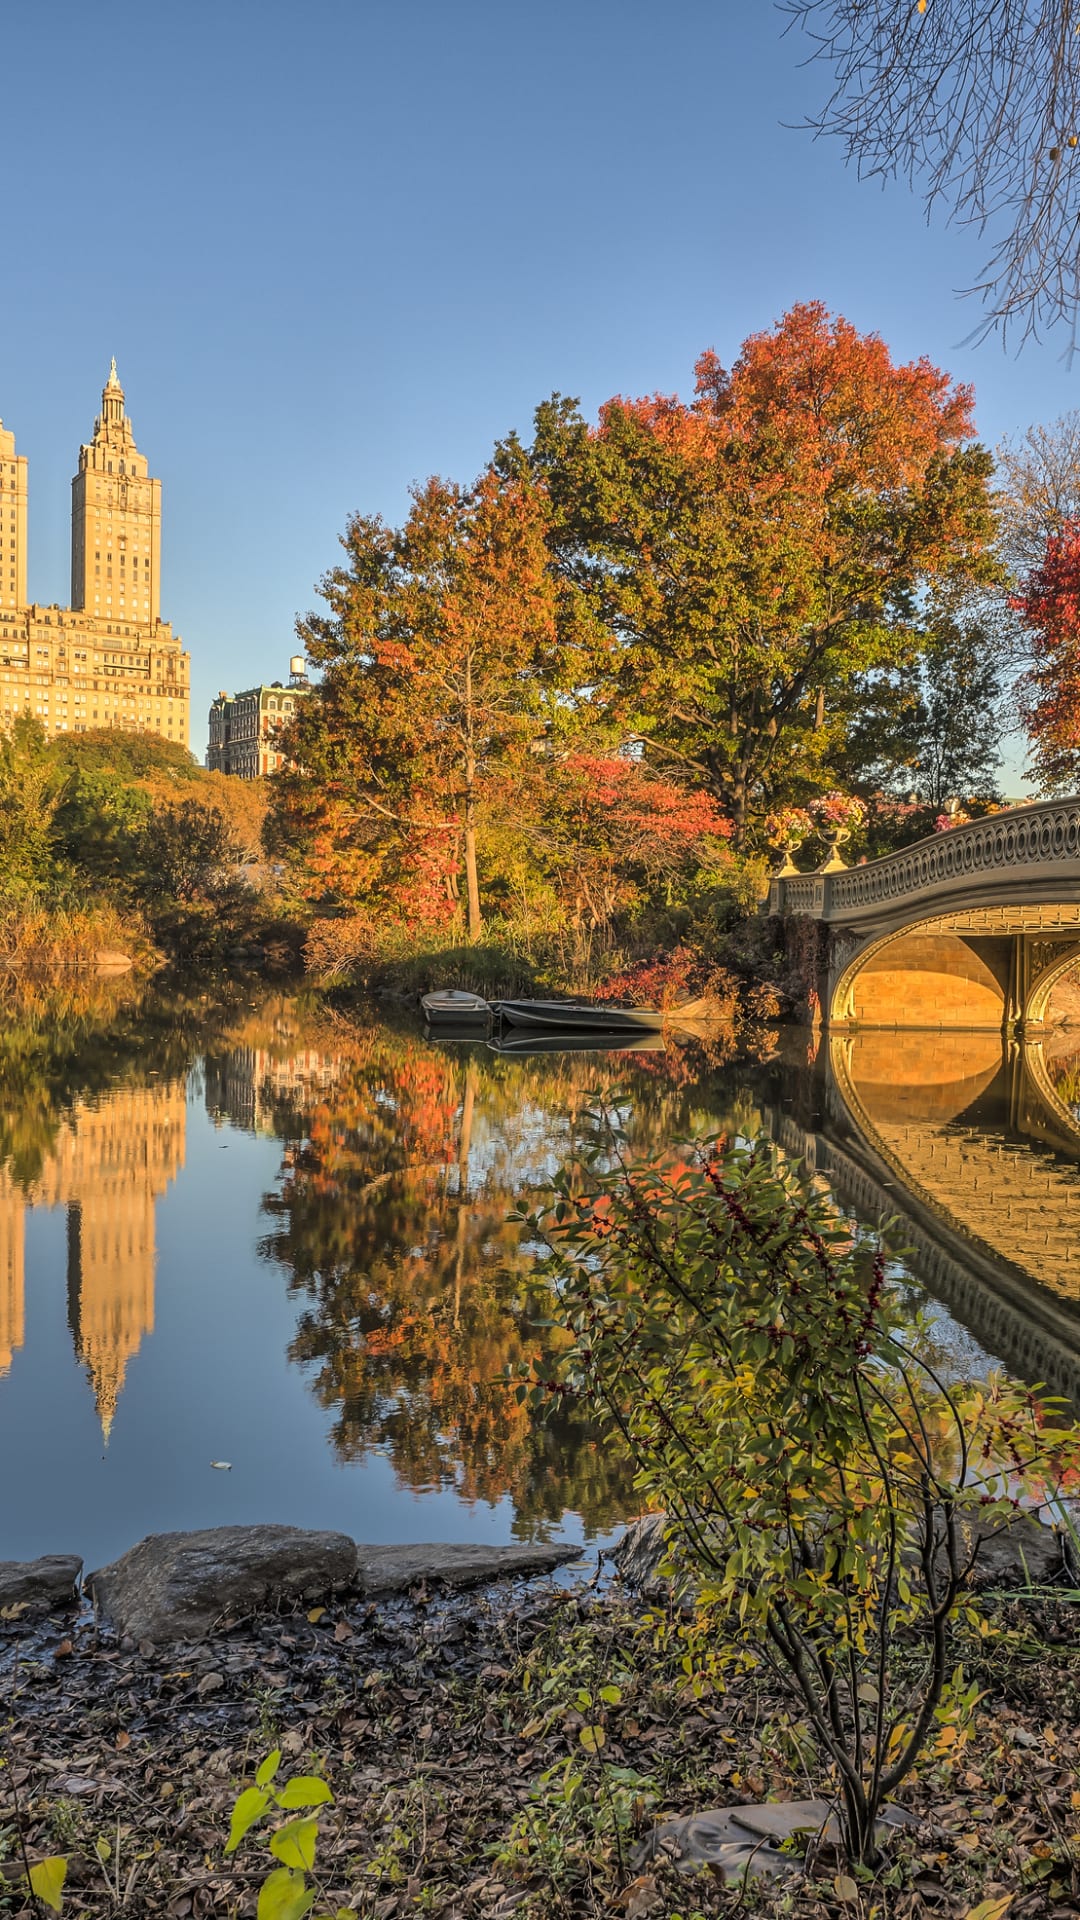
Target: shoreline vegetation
512,1751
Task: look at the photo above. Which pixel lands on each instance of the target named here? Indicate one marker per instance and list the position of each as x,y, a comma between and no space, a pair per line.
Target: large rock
1016,1553
176,1586
452,1564
39,1586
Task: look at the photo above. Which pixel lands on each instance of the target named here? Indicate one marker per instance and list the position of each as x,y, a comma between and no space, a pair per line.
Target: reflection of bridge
969,928
954,1133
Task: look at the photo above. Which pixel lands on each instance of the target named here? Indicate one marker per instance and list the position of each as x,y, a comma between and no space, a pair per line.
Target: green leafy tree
934,727
184,852
825,1489
30,793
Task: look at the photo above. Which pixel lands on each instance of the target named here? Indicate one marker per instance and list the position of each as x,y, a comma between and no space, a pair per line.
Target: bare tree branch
979,100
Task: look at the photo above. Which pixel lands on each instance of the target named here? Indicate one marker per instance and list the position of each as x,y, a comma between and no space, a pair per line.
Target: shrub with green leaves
826,1489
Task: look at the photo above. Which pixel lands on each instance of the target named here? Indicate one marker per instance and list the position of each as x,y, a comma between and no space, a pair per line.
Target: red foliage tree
1049,607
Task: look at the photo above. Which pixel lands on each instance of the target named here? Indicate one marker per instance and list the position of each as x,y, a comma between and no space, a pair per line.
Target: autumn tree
437,660
1039,489
731,565
1049,606
612,830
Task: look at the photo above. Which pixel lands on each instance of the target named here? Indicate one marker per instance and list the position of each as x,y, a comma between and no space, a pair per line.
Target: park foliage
556,709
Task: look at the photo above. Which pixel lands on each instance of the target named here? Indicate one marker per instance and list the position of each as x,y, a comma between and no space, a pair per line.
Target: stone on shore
177,1586
39,1586
452,1564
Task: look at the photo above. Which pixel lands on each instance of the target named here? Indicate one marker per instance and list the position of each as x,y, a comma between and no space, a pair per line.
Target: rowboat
453,1007
592,1017
580,1016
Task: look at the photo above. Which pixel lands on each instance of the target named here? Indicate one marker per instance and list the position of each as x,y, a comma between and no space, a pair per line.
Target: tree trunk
472,883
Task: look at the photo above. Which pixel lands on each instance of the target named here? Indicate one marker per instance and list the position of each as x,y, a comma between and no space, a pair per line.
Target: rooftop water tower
298,676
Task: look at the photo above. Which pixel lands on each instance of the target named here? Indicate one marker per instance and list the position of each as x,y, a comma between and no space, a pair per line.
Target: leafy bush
826,1491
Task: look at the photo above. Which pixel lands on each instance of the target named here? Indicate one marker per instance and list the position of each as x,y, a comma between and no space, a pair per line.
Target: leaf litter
449,1729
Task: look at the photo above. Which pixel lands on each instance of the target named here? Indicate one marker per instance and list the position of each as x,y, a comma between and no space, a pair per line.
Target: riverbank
449,1730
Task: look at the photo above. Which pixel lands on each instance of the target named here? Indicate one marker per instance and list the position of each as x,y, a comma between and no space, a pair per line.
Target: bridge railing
1044,835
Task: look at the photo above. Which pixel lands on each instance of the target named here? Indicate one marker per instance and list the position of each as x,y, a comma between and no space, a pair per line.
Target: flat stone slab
37,1586
452,1564
746,1842
176,1586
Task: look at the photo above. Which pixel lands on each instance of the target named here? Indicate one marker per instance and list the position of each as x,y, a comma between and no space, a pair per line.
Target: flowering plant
788,826
838,810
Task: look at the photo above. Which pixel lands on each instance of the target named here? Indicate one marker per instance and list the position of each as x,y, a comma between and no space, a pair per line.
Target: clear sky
337,247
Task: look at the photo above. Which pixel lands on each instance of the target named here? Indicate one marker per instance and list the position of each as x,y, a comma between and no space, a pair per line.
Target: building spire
112,400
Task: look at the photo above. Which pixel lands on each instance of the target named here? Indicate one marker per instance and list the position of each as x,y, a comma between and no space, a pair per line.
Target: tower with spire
115,520
108,660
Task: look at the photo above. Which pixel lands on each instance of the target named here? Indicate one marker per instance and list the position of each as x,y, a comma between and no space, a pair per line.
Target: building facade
108,660
244,726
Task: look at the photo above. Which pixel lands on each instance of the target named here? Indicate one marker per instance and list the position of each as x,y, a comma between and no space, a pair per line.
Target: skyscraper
108,660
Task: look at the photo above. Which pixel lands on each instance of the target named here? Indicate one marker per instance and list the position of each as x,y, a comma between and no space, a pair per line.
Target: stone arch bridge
970,928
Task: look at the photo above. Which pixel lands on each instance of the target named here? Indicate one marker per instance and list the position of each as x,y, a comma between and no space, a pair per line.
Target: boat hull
452,1008
573,1017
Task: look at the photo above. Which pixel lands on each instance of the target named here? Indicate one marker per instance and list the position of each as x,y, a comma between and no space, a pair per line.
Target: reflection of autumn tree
393,1221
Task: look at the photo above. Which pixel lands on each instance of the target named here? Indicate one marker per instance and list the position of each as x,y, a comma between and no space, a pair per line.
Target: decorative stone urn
834,838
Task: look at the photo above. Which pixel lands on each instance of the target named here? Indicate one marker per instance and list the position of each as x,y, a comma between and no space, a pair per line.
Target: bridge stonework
969,929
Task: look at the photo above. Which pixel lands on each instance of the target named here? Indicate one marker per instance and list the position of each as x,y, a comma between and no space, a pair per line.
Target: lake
237,1227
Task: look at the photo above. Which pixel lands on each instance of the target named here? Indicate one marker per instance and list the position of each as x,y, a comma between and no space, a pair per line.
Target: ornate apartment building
243,727
108,660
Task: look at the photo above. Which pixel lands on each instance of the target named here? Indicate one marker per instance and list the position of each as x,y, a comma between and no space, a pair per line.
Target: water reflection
321,1207
970,1136
106,1166
419,1294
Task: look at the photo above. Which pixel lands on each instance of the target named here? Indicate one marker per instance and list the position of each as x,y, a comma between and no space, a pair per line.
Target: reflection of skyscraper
250,1083
11,1278
109,1165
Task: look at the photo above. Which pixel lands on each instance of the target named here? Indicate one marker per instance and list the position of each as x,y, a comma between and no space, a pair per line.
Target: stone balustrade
1022,855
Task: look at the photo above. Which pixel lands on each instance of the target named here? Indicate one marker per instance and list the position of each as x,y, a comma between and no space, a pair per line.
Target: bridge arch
969,928
1038,1000
926,975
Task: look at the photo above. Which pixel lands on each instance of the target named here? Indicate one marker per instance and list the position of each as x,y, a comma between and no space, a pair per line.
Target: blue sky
338,247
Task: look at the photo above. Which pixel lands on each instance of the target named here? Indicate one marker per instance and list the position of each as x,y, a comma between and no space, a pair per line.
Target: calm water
236,1228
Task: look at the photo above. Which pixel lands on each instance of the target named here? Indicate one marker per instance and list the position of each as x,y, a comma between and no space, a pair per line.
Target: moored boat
596,1016
579,1016
453,1007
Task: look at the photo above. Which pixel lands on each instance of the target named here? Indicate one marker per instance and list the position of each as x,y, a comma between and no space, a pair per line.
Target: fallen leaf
845,1889
343,1631
123,1739
990,1909
316,1615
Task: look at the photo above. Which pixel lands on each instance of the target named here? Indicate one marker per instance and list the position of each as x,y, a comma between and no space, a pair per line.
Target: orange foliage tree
730,566
436,660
